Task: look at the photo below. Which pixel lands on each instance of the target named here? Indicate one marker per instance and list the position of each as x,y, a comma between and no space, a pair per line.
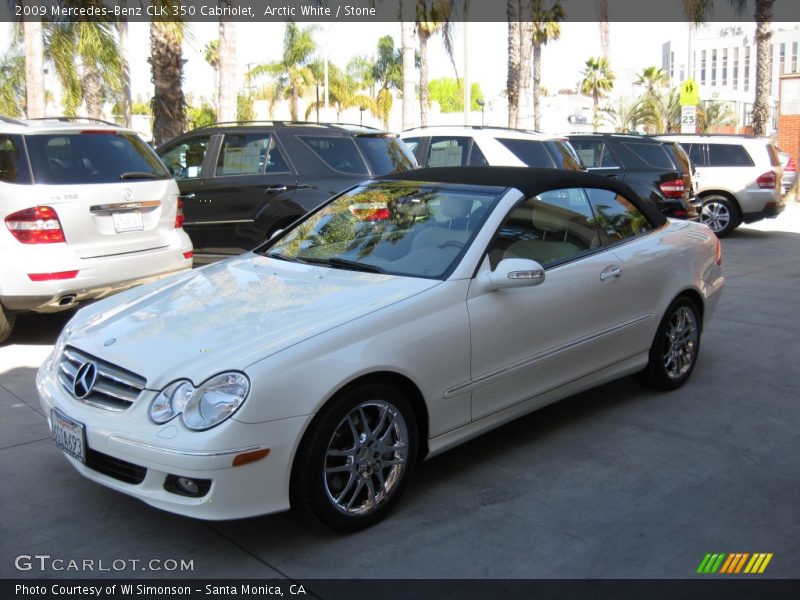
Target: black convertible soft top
528,180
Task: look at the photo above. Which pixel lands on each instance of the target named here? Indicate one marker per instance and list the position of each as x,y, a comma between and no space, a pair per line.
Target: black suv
241,182
655,169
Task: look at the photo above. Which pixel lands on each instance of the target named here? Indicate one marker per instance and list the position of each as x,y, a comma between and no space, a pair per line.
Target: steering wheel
452,244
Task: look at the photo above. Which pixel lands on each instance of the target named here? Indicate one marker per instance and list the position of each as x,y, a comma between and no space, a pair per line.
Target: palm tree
125,72
292,72
513,71
652,79
605,29
698,11
627,114
12,83
407,62
714,114
388,74
211,56
597,81
432,16
344,90
166,64
226,82
34,67
662,112
545,29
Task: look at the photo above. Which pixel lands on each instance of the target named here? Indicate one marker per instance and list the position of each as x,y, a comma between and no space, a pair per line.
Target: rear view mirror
515,272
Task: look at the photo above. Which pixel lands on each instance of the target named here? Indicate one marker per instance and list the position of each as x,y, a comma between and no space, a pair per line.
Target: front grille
114,388
114,467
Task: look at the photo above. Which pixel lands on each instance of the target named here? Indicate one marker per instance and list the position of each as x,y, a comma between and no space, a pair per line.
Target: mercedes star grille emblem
85,379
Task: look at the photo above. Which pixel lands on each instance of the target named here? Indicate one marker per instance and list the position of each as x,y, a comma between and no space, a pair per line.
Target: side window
696,154
651,154
594,154
339,153
617,217
13,166
448,152
243,154
185,160
531,152
476,157
728,155
413,145
275,161
551,228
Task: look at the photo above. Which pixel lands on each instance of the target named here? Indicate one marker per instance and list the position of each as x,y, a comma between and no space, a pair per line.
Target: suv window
339,153
385,154
448,152
696,154
618,218
653,155
594,154
531,152
564,155
244,154
13,165
185,161
728,155
91,157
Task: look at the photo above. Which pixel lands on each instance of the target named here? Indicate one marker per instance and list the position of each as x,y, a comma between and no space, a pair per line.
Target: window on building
713,68
736,68
703,67
782,63
671,65
747,68
794,57
724,67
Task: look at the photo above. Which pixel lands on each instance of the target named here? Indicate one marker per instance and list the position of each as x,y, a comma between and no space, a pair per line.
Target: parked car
242,182
737,178
489,146
789,166
656,170
405,316
87,209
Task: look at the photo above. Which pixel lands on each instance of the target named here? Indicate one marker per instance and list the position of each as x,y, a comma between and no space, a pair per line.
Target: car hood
232,314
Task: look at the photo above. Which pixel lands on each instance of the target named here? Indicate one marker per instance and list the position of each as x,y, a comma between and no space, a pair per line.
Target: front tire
356,458
673,354
720,214
7,320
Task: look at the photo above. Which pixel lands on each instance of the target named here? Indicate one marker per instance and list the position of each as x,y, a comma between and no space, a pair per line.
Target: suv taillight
179,218
791,165
673,189
767,180
38,225
718,253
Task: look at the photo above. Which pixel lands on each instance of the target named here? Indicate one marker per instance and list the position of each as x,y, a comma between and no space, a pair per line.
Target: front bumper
129,438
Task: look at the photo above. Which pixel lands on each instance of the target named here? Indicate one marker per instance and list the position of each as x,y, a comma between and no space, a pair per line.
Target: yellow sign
690,95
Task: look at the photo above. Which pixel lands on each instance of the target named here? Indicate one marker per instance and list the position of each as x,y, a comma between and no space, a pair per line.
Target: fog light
185,486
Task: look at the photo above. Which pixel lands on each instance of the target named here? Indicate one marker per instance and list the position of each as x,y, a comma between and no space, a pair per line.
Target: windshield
92,157
399,228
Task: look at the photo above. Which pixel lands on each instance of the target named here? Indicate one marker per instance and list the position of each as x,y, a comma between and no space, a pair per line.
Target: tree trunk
226,110
602,18
763,17
512,78
93,92
122,28
407,46
294,105
595,114
424,96
166,62
34,69
537,81
524,120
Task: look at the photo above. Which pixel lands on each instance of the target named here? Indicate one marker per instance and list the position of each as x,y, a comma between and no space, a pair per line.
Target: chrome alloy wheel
680,345
716,215
366,457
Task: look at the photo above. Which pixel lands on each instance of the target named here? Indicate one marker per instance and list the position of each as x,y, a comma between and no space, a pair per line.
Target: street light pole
317,105
480,102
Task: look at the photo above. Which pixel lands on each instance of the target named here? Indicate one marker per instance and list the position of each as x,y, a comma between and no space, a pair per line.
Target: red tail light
767,181
38,225
718,253
179,218
188,255
791,165
52,276
673,189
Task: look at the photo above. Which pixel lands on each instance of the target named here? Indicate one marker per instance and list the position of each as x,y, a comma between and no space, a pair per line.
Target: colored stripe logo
733,563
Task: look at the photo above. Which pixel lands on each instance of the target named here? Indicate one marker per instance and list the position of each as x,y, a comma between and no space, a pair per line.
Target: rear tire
720,213
356,458
7,320
673,354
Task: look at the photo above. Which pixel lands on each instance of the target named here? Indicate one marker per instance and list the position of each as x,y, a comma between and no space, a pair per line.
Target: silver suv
86,209
737,177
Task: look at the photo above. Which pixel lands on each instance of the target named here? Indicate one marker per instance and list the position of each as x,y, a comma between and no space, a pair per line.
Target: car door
250,172
530,340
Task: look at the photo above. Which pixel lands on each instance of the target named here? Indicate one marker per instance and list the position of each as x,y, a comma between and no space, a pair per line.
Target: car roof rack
736,135
285,123
477,127
11,120
65,119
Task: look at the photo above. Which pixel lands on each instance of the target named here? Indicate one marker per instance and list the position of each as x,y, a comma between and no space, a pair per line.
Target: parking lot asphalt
617,482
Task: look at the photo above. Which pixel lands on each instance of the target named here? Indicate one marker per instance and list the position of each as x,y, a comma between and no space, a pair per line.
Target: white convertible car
401,318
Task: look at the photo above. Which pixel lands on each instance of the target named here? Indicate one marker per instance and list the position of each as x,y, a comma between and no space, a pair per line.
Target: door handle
612,175
611,272
274,189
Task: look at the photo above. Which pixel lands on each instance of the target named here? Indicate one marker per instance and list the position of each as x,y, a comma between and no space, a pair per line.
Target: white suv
496,146
86,209
737,177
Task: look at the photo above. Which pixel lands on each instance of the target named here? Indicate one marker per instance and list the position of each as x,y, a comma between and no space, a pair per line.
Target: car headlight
58,348
201,407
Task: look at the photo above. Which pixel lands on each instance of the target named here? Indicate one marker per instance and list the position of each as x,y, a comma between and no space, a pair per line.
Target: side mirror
513,273
275,234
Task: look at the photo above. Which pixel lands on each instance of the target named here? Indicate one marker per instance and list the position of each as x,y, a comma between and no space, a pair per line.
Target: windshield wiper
343,263
293,259
139,175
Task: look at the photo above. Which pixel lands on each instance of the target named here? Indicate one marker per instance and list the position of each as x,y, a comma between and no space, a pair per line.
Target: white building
724,64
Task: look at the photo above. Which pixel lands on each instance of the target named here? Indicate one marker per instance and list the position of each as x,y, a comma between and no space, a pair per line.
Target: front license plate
69,435
127,221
